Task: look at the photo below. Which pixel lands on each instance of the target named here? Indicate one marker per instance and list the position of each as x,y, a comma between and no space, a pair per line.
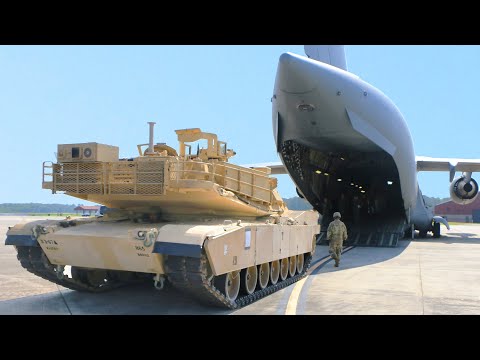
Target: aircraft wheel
436,230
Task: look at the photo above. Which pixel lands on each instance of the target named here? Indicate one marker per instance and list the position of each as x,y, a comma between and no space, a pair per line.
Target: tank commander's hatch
157,149
215,149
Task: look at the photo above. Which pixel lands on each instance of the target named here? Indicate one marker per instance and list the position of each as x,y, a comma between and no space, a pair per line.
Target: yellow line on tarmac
293,299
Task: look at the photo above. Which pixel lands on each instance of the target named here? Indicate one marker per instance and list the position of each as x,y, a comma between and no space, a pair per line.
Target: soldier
336,234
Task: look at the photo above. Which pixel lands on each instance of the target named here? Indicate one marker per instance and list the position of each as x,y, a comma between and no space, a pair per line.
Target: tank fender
26,234
21,240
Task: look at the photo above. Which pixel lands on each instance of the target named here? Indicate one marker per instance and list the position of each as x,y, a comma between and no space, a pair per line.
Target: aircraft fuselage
345,144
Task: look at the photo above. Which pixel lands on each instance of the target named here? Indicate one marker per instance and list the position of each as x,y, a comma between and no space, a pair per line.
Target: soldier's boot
336,263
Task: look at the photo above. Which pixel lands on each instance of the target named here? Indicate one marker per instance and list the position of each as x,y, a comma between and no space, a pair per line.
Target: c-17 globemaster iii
348,148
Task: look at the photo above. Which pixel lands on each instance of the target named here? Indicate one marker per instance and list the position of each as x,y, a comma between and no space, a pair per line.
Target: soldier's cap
336,215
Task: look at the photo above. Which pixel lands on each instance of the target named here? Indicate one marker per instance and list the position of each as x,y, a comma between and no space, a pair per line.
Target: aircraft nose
294,74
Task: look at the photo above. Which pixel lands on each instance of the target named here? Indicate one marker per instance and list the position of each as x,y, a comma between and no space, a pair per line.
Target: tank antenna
150,145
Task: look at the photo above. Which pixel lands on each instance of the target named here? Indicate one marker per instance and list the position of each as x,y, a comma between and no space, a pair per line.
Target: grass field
460,223
48,214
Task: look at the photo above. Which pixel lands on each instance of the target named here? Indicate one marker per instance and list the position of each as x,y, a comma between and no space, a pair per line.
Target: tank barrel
150,143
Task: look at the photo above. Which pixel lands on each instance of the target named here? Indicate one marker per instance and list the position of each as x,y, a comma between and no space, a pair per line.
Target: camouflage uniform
336,234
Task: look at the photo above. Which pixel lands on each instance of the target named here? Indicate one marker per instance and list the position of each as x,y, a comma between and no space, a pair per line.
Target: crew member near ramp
336,234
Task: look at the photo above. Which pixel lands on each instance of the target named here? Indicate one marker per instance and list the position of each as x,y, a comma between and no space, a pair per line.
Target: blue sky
106,94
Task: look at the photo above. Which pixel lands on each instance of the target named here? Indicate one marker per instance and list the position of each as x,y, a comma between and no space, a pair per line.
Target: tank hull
142,247
199,257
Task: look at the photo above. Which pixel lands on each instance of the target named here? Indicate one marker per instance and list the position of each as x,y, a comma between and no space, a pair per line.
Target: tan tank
218,231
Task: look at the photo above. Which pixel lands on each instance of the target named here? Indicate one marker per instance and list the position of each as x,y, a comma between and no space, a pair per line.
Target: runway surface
419,277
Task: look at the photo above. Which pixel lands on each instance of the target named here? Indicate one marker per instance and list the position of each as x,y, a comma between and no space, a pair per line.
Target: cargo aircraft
347,148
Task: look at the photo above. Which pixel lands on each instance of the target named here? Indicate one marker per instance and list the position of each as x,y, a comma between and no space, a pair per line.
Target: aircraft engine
463,191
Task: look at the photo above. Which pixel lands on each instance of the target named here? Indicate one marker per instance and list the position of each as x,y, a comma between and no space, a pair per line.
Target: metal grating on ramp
385,235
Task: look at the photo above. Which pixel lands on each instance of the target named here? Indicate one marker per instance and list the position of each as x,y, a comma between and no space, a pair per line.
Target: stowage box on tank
86,152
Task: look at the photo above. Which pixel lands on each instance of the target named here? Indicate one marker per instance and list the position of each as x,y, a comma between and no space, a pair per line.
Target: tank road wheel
274,271
263,275
283,269
300,263
436,230
97,277
248,279
94,278
293,265
79,274
229,284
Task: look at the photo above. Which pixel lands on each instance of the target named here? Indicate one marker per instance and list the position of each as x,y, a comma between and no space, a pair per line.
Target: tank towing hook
159,281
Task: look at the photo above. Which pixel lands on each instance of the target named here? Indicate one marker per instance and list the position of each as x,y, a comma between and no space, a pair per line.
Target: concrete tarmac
419,277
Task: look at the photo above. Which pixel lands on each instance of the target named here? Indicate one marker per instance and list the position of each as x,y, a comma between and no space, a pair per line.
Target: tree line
36,208
294,203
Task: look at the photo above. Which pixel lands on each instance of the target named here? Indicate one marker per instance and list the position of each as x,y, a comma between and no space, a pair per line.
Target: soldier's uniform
336,234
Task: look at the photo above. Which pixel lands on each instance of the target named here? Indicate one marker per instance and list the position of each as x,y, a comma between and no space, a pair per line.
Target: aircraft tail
329,54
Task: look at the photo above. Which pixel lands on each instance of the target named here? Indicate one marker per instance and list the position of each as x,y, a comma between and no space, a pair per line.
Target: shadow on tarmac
362,256
453,238
140,299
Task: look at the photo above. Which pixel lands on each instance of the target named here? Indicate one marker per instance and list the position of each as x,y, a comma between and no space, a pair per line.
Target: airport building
459,213
87,210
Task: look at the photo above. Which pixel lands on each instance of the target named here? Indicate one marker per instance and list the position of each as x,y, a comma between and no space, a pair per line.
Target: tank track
191,276
34,260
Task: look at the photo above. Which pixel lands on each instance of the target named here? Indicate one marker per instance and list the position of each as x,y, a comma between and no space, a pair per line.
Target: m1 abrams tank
215,230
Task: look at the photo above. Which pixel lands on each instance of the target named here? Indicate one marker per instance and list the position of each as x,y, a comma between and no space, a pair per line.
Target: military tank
217,231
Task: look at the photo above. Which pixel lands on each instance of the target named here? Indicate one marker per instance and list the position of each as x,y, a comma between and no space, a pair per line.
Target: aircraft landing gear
436,230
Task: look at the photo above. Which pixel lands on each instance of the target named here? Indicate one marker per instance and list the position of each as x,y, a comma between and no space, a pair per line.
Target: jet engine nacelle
463,191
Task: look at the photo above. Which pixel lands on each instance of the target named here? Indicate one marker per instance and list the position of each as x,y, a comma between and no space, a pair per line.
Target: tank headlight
87,152
141,234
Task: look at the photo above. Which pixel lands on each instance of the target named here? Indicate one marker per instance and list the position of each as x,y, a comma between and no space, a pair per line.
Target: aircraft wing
452,165
424,163
446,164
277,167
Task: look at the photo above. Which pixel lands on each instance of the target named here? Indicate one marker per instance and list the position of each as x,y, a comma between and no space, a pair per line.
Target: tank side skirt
169,248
